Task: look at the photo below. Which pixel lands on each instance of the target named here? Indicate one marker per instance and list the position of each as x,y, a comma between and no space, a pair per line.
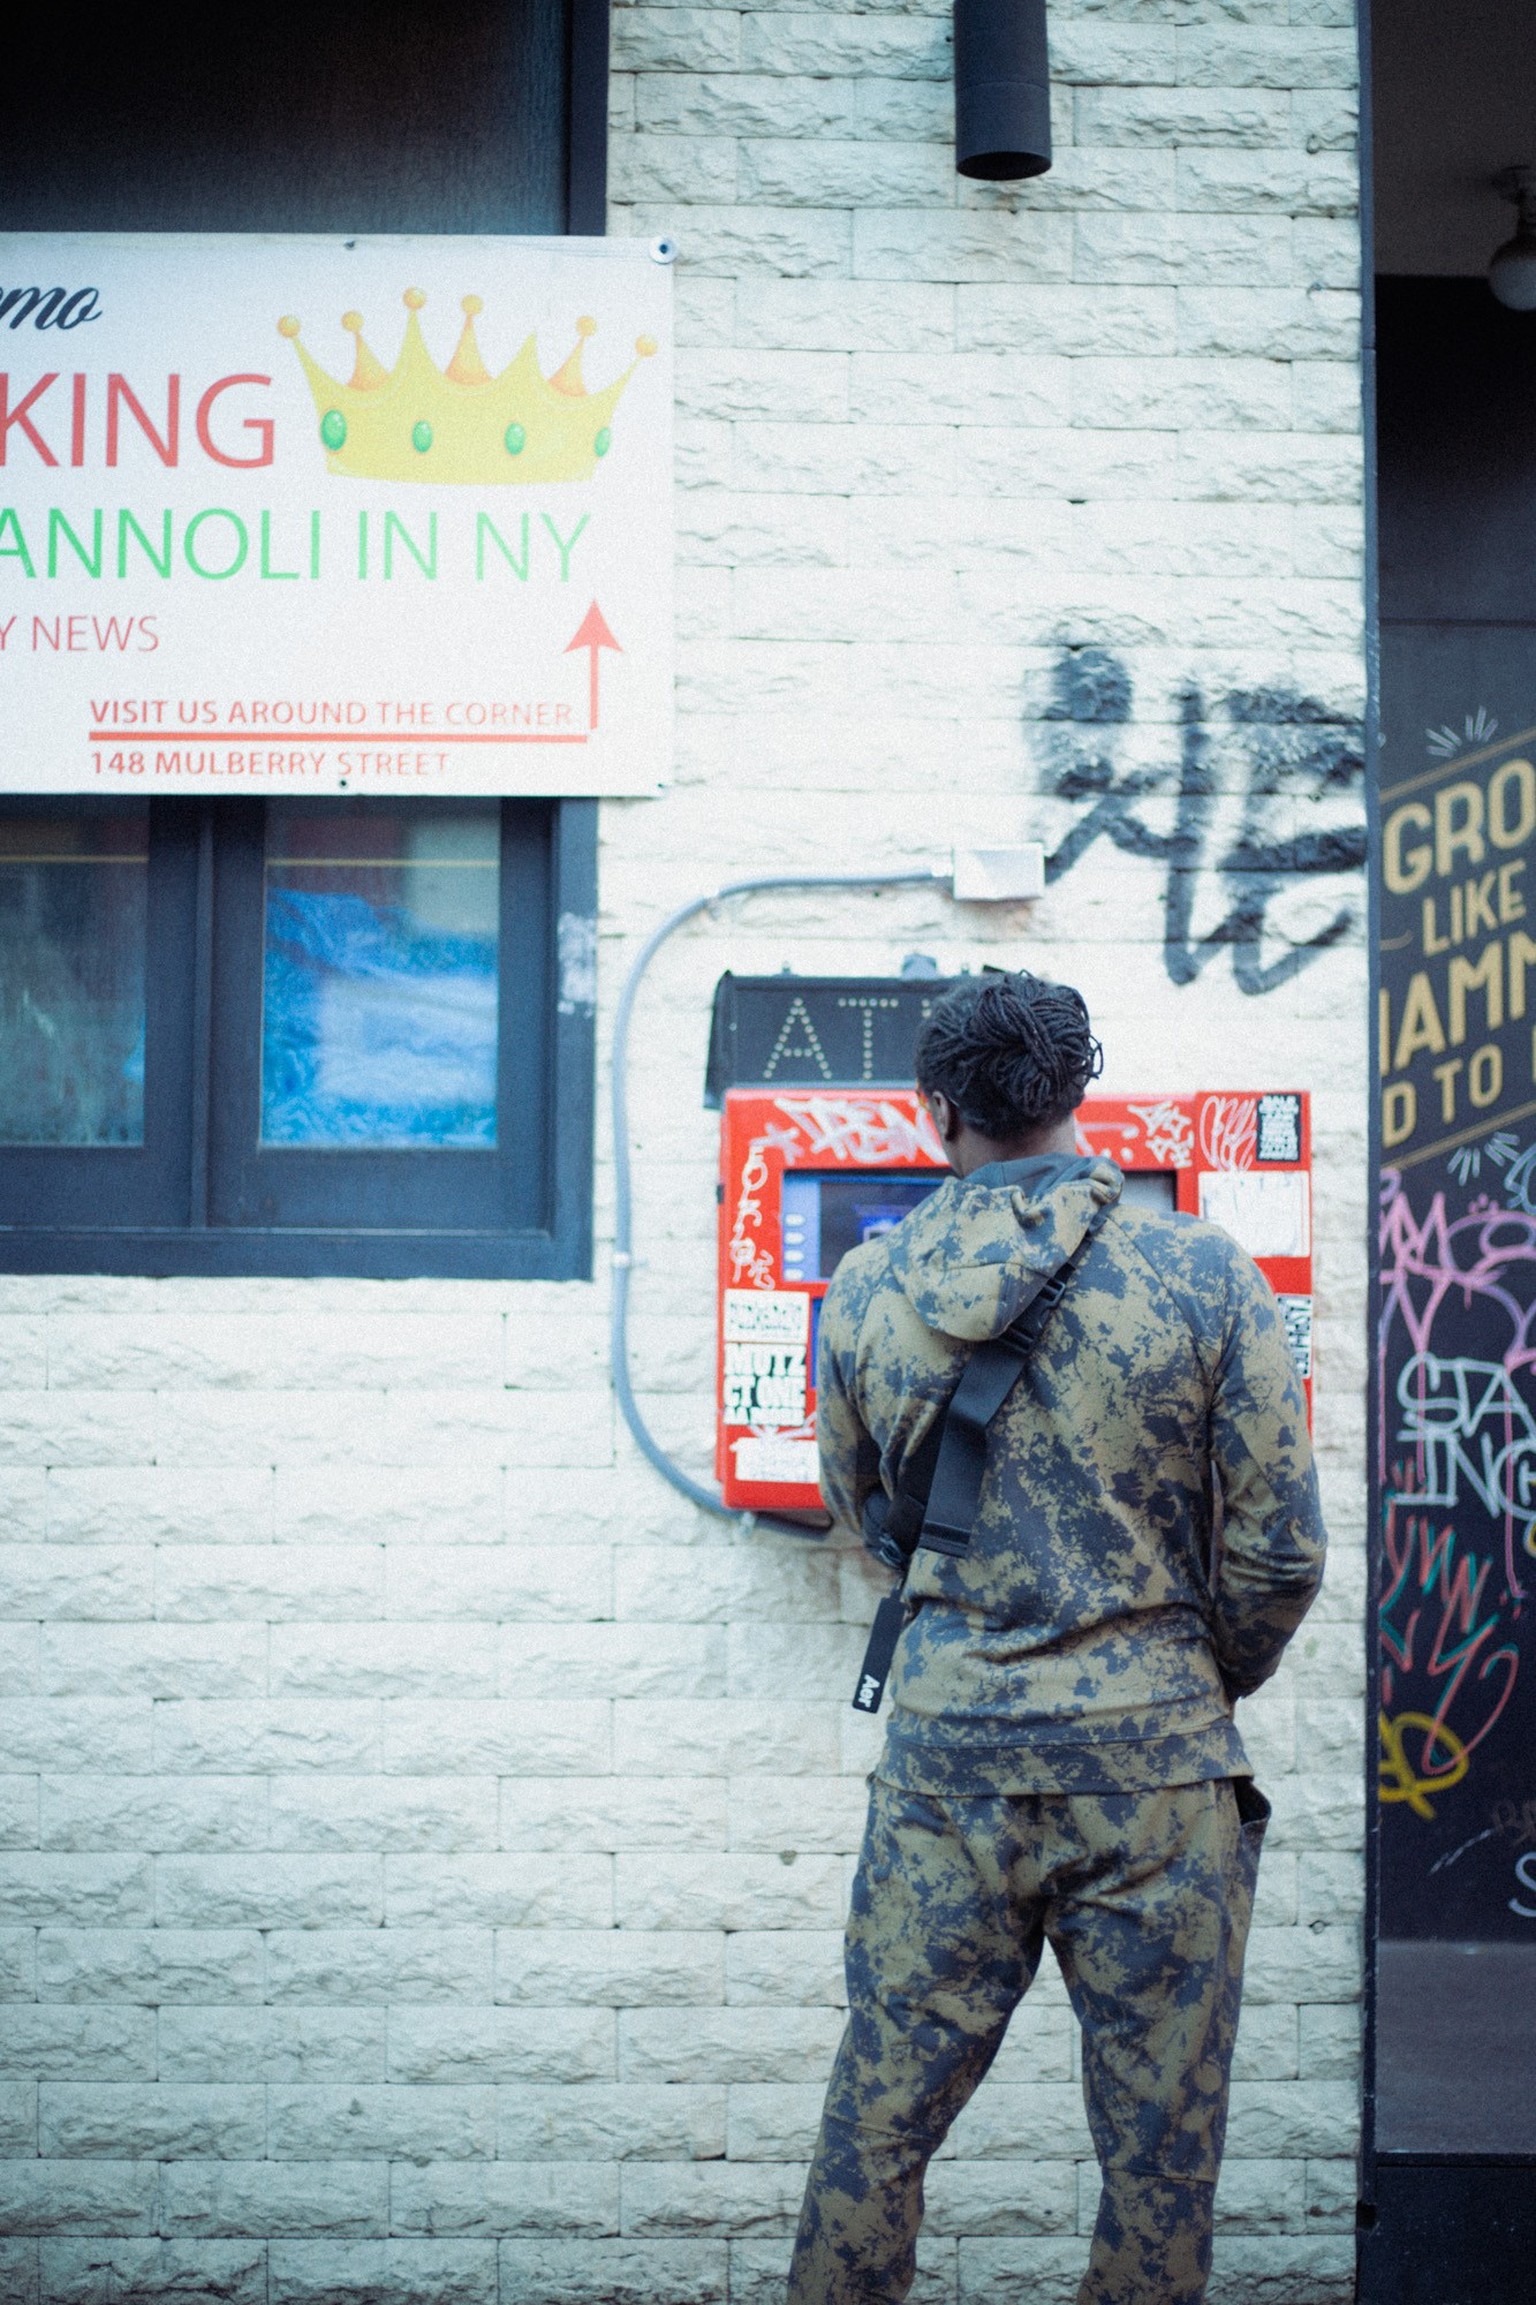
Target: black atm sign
817,1031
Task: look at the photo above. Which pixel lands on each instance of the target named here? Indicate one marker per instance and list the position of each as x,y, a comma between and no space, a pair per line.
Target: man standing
1062,1760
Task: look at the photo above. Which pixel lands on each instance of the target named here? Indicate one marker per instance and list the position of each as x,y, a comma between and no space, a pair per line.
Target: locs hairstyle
1010,1051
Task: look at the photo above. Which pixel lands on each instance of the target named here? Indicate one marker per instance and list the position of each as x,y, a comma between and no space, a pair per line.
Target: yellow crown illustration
418,422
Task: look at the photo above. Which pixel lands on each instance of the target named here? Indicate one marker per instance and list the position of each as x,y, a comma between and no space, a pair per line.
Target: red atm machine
809,1170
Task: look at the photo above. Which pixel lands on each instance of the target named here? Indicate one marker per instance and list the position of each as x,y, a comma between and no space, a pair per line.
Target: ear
946,1118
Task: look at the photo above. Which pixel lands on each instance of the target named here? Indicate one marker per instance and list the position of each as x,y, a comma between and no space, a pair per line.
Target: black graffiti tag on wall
1274,747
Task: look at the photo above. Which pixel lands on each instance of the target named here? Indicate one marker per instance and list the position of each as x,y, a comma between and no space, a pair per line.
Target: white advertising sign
375,516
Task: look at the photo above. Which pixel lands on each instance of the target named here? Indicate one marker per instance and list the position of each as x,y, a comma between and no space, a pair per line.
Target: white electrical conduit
623,1222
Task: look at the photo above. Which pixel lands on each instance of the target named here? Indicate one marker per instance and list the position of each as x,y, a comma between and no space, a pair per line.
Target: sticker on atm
767,1341
768,1457
1279,1129
767,1316
1296,1313
1265,1214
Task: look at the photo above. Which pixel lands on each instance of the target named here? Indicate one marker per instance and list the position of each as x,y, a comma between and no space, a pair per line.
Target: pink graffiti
1468,1423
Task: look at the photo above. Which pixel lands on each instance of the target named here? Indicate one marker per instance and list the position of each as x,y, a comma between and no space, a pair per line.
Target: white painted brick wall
426,1840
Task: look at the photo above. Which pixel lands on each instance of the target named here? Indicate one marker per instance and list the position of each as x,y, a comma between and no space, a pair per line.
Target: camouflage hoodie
1083,1644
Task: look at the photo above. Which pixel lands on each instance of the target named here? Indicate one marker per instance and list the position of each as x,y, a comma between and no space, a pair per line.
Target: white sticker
770,1459
1296,1313
763,1384
767,1316
1266,1213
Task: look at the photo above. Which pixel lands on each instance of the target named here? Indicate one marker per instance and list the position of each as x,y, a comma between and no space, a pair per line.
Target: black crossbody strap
939,1493
893,1525
990,1375
988,1378
879,1650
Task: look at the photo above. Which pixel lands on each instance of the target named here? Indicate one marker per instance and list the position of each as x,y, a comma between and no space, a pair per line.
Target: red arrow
593,634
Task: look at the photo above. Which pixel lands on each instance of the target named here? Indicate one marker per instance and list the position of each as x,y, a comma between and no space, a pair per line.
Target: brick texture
423,1837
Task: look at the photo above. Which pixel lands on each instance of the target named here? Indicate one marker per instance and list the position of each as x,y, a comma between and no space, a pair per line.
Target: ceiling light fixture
1512,268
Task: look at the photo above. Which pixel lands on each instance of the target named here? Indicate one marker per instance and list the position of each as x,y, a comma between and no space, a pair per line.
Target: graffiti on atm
1229,1131
808,1173
1160,1132
852,1131
859,1131
1234,1132
750,1258
1169,1133
1260,804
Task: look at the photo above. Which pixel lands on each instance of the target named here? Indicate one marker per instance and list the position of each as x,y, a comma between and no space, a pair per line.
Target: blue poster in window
377,1028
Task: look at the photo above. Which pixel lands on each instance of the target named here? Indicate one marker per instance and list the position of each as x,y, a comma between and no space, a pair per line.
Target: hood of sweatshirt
974,1253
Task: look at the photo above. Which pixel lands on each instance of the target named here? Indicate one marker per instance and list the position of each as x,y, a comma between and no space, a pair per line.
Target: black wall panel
286,116
1451,2180
1456,446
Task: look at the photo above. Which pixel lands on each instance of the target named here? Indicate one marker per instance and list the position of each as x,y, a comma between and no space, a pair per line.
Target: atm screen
1151,1189
827,1215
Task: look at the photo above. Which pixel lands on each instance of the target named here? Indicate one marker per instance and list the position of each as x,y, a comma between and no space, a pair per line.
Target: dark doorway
1450,2175
1456,2058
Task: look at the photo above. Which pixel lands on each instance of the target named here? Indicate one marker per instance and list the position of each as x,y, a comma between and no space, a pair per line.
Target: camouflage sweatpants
1146,1899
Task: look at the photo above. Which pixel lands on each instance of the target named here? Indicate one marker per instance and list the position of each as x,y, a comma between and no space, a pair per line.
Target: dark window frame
254,1186
148,1180
586,130
157,1209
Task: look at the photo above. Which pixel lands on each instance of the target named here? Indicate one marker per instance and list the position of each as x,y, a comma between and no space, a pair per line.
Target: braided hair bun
1010,1051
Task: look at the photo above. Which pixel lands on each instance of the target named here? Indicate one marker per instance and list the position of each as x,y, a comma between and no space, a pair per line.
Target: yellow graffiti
1399,1780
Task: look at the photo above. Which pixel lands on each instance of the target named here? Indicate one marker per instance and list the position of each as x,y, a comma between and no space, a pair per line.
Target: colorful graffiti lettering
1451,1407
1401,1780
1431,1594
1455,1379
1468,1420
1467,1425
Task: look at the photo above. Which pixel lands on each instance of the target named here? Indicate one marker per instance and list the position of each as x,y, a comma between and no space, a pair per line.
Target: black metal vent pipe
1002,89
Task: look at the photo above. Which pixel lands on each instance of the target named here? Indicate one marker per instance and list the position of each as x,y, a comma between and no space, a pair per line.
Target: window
74,913
296,1036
